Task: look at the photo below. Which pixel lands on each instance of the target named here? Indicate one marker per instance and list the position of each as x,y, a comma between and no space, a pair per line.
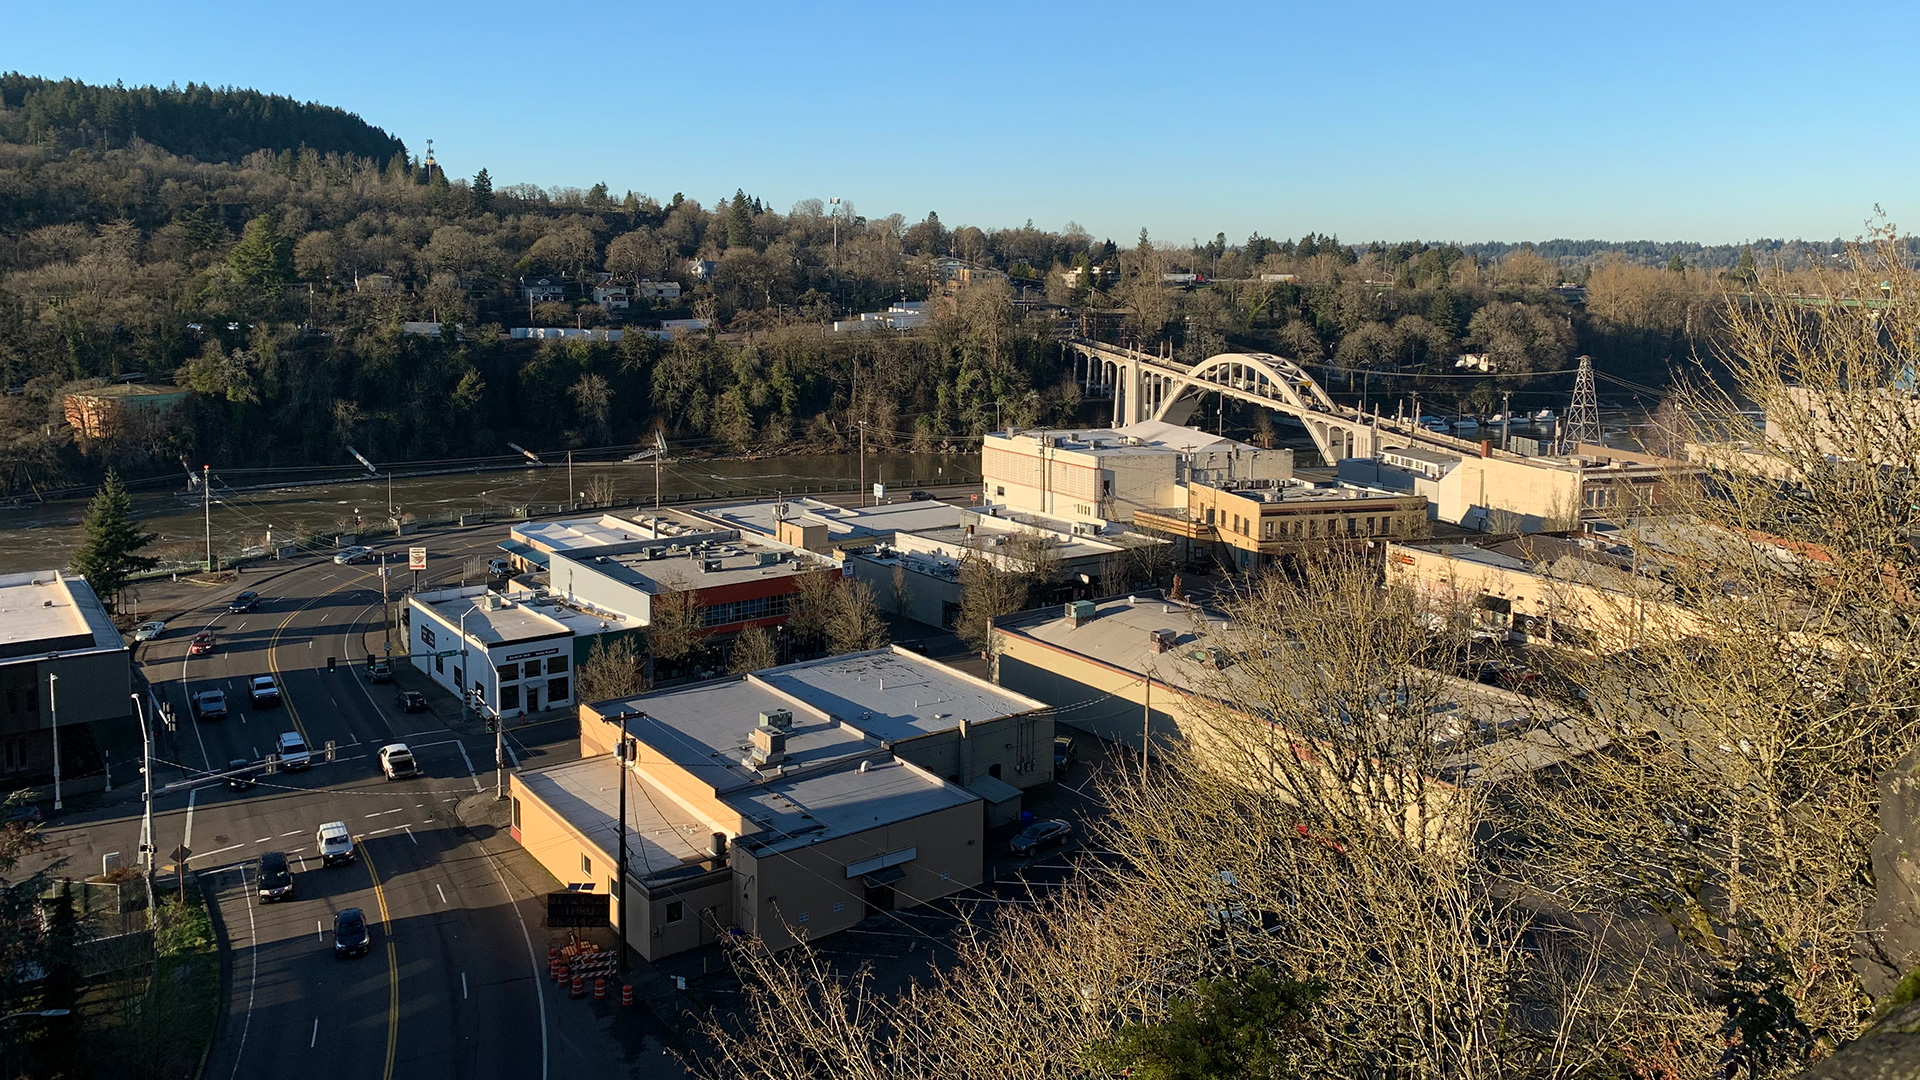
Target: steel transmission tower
1583,416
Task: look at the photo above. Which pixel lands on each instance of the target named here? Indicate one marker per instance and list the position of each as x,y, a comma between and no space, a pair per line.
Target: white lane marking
532,961
315,1041
476,787
256,751
410,836
377,832
295,832
463,985
319,931
395,810
186,842
253,978
441,891
263,840
376,815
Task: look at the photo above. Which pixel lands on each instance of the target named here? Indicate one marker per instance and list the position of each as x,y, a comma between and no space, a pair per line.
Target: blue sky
1716,122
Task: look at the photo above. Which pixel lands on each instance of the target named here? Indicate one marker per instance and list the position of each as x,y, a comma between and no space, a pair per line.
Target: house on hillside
542,289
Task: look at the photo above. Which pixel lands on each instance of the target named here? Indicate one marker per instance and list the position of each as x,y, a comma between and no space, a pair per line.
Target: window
458,684
1353,525
839,905
440,665
613,887
510,697
556,690
556,665
676,911
999,491
516,813
509,672
586,866
426,635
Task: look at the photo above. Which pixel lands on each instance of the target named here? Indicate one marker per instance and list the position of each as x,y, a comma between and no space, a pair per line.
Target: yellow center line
273,664
393,963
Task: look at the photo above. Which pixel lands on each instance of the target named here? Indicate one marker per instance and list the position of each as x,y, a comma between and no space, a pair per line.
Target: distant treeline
197,121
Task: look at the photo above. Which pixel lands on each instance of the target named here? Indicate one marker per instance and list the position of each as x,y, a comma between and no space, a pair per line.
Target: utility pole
620,896
53,708
1506,413
863,463
570,478
659,451
386,610
206,502
500,757
146,802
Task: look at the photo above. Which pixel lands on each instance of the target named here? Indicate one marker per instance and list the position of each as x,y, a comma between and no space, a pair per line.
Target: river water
39,536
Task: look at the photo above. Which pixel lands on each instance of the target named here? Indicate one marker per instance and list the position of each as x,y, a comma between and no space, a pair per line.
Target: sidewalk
645,1037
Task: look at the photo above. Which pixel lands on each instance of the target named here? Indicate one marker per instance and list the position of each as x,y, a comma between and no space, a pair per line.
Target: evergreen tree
106,557
739,221
1674,264
263,257
482,192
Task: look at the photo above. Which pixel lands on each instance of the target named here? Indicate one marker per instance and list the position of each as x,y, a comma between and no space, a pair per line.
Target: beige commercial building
1109,474
1495,491
1249,524
789,803
60,660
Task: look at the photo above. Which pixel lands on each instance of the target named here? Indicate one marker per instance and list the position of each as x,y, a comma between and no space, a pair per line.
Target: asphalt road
453,985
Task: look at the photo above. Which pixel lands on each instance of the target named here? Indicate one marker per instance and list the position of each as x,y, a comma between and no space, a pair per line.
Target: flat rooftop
836,802
844,523
1145,437
659,568
660,835
521,617
609,530
844,707
1003,541
1299,491
47,611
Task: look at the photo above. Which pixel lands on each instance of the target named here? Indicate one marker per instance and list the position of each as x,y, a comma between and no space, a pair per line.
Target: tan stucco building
789,803
1109,474
1501,492
1248,524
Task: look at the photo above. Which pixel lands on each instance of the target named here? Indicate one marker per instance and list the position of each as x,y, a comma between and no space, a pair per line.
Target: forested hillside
138,241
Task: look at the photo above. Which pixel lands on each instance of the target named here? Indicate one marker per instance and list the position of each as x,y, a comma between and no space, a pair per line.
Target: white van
335,844
293,751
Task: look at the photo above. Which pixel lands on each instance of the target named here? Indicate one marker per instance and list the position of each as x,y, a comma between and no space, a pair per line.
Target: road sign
416,558
570,908
180,853
879,491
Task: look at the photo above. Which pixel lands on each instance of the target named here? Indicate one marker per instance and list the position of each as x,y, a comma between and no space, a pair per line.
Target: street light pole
53,708
620,897
206,504
146,802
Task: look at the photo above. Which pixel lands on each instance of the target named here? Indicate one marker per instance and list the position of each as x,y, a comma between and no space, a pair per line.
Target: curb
226,973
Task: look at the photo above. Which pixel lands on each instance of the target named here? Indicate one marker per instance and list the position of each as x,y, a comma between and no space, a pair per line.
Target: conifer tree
263,257
106,558
482,192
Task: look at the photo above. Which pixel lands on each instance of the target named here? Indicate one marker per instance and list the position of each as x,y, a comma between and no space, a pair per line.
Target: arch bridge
1149,387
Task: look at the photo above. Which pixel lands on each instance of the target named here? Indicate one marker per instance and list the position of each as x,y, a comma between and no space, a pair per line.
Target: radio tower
1583,416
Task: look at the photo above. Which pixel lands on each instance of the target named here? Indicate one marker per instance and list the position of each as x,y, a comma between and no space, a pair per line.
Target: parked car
239,774
147,631
243,603
354,554
397,761
380,670
211,704
411,701
499,567
334,843
276,877
350,934
25,815
1062,755
1039,835
202,643
294,754
265,694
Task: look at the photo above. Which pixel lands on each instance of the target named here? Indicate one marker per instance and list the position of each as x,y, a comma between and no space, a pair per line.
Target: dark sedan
411,701
350,934
1041,834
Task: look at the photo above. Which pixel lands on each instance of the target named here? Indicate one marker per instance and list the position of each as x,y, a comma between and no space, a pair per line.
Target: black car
244,603
1062,755
411,701
350,934
379,670
239,774
1041,834
276,878
919,496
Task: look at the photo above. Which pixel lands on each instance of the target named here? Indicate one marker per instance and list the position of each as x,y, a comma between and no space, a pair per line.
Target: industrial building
1107,475
790,803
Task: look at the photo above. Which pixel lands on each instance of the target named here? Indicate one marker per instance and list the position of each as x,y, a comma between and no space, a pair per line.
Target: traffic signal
329,665
493,724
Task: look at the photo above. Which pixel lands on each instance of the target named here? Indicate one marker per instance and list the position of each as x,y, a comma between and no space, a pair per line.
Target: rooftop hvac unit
710,565
777,718
1080,612
653,553
1162,640
769,747
769,558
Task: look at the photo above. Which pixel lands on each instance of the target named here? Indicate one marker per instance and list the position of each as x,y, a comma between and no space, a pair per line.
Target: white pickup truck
294,754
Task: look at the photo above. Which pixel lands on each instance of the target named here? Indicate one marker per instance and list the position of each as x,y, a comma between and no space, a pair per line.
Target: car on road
239,774
334,843
397,761
276,877
147,631
411,701
919,496
26,815
202,643
350,935
379,669
265,694
499,567
211,704
294,754
1039,835
1062,755
243,603
348,555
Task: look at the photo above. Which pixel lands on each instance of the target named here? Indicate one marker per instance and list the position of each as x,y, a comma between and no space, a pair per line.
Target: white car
294,754
335,843
397,761
265,694
353,554
147,631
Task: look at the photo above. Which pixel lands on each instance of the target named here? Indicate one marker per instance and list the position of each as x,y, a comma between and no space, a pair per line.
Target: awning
525,551
993,789
884,877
